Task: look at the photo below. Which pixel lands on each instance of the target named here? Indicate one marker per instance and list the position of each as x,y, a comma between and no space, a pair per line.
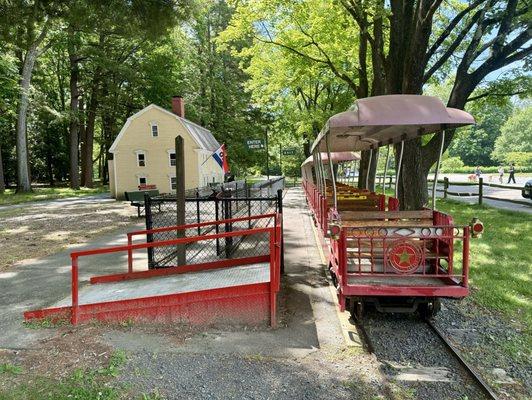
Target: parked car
527,190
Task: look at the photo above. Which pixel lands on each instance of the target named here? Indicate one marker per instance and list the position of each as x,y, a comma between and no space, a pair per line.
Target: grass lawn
11,197
500,259
81,384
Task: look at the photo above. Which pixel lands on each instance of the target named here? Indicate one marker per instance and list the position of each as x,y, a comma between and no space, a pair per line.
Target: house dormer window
141,158
154,129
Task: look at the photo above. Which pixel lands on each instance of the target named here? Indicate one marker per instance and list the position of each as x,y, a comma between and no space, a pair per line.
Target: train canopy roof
377,121
337,157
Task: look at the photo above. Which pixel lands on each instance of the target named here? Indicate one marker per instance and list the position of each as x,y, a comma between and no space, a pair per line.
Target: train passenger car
348,197
399,261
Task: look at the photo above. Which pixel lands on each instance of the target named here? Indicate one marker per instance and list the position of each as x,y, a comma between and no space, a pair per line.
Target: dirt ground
42,229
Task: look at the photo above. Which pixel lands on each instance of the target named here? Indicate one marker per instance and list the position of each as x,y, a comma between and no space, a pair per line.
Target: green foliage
299,93
516,135
81,384
521,159
500,260
10,369
451,164
474,145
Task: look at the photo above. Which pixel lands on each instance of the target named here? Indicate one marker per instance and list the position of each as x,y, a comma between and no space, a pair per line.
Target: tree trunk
363,170
74,115
23,172
412,183
82,138
2,178
89,133
49,166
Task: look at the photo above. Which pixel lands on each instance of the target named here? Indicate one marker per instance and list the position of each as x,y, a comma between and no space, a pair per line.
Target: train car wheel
430,309
356,309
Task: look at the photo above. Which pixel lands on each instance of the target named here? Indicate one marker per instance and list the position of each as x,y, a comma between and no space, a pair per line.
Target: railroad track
452,350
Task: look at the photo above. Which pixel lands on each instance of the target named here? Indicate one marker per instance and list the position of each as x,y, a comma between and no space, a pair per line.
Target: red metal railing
274,257
368,249
146,232
322,211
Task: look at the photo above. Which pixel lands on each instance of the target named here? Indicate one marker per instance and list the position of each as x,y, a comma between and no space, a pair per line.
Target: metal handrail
274,263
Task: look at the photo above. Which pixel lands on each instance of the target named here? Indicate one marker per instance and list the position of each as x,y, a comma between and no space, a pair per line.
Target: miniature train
398,261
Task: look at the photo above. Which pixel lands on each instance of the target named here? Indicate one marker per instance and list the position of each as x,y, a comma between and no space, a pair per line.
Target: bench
136,198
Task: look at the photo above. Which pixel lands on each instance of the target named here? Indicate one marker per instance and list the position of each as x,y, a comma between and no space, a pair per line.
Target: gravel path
416,359
495,345
210,376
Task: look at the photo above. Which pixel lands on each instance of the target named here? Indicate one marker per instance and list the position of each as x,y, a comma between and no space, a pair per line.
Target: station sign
255,144
290,151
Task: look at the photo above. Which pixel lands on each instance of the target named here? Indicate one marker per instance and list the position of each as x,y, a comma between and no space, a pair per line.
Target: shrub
451,163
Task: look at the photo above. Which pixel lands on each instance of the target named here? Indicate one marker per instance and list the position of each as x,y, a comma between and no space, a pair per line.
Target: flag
221,158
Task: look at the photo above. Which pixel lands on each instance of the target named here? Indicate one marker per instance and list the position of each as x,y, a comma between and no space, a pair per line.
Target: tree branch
488,94
450,50
445,34
327,61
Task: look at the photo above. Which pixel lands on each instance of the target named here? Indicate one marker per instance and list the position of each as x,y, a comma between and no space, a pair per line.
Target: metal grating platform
173,284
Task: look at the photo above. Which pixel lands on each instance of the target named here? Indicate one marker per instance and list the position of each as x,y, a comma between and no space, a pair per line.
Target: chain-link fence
235,200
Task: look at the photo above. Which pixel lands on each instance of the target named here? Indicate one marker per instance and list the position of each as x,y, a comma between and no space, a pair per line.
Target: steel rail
472,372
453,350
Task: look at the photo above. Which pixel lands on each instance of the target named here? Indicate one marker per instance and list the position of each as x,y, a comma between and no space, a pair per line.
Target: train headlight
334,230
477,228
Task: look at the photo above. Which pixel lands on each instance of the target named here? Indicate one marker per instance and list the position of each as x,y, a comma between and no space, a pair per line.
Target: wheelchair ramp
233,291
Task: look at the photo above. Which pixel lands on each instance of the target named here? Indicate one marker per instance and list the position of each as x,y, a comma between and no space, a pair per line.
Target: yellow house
144,152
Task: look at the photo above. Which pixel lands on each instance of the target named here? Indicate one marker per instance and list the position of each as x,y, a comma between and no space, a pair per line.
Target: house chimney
178,106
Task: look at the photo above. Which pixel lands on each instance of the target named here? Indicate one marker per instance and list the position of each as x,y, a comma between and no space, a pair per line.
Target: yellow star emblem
404,257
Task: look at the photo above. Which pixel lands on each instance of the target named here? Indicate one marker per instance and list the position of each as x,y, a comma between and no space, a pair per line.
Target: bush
486,170
519,158
451,163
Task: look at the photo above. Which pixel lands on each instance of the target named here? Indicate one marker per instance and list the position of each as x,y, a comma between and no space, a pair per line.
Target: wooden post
480,189
445,186
180,195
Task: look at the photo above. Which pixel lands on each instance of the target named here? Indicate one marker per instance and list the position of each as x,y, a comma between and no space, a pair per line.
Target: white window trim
170,151
170,177
152,124
137,152
139,177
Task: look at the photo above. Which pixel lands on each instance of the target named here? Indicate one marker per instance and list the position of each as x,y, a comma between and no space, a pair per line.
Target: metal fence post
228,228
280,210
198,213
480,189
445,186
217,226
149,225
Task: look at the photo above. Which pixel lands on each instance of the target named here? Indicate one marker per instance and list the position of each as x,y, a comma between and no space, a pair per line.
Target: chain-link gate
236,199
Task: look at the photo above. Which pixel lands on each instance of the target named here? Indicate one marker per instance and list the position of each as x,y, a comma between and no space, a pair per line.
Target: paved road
39,283
524,205
67,201
488,178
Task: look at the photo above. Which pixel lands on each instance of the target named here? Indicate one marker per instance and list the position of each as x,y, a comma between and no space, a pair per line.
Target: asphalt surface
469,195
39,283
67,201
